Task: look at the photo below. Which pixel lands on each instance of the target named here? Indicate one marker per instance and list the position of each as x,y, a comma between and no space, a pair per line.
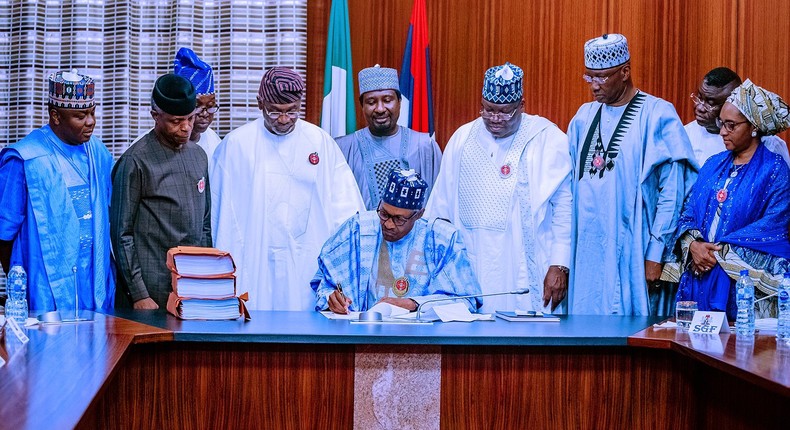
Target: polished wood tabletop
49,382
758,359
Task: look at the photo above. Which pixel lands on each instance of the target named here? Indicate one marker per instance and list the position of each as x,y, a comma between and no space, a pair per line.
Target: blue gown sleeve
13,197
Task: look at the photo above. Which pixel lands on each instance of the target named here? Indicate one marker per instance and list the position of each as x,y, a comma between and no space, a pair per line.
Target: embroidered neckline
603,159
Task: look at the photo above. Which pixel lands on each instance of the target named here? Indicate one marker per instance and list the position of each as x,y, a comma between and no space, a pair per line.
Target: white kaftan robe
273,208
496,234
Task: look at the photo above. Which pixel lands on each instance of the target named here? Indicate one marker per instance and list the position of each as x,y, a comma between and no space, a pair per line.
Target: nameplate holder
14,326
706,322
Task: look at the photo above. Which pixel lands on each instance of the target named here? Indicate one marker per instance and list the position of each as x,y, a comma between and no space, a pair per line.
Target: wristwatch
563,268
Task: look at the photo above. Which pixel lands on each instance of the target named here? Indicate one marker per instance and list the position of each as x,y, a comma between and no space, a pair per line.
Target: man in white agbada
505,184
280,188
703,132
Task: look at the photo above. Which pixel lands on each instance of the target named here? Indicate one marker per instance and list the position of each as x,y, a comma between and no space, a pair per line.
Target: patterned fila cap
405,190
605,52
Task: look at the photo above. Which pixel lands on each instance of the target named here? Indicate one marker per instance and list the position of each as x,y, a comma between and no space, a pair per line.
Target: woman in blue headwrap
736,215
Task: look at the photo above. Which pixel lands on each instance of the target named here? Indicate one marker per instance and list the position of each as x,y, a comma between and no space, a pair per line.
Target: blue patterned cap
378,78
605,52
504,84
188,65
71,90
405,190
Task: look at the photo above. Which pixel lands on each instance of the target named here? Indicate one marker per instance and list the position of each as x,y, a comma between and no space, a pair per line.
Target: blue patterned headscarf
764,109
188,65
503,84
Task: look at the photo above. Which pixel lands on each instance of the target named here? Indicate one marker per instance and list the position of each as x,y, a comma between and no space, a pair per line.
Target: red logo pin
401,286
201,185
313,158
721,195
505,171
598,162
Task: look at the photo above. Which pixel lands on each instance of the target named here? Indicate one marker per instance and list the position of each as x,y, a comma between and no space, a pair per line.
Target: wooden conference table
296,370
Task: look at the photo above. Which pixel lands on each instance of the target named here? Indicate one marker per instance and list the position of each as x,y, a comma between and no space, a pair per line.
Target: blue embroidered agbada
753,227
58,220
431,256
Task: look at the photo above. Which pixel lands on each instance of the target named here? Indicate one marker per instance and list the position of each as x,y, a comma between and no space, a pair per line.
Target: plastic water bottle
744,293
783,325
16,285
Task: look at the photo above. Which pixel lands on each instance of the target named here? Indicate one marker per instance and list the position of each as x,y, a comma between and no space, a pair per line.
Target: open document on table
396,315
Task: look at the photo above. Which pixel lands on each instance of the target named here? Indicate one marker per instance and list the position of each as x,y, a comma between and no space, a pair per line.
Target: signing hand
146,303
702,255
555,287
338,303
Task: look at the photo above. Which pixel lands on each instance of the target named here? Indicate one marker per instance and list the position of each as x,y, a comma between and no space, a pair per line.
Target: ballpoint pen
340,291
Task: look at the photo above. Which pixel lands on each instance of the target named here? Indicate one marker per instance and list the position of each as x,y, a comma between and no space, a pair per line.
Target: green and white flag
338,116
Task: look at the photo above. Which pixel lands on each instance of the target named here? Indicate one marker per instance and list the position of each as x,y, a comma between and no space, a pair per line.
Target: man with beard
373,152
54,194
713,91
505,183
393,255
633,167
161,196
281,188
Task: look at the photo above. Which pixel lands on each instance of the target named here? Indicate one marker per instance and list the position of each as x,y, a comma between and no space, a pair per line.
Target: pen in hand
342,297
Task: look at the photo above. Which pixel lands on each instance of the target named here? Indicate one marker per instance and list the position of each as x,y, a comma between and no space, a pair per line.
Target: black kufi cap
174,95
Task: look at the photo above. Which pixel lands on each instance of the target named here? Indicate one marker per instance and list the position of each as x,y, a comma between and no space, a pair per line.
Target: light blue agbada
627,196
372,158
57,227
431,256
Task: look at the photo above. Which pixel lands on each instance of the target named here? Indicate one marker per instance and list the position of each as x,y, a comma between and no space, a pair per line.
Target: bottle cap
744,272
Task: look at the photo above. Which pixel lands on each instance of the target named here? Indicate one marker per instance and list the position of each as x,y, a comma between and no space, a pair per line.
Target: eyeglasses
698,101
728,125
211,110
600,80
294,114
497,116
398,220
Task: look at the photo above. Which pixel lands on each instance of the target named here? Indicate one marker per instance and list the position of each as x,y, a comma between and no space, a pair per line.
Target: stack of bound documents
204,284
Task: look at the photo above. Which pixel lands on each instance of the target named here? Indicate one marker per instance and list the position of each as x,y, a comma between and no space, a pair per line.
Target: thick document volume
204,284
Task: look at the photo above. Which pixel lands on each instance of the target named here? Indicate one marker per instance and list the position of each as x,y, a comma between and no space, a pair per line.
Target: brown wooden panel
759,362
317,22
763,51
734,404
582,388
673,44
213,386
